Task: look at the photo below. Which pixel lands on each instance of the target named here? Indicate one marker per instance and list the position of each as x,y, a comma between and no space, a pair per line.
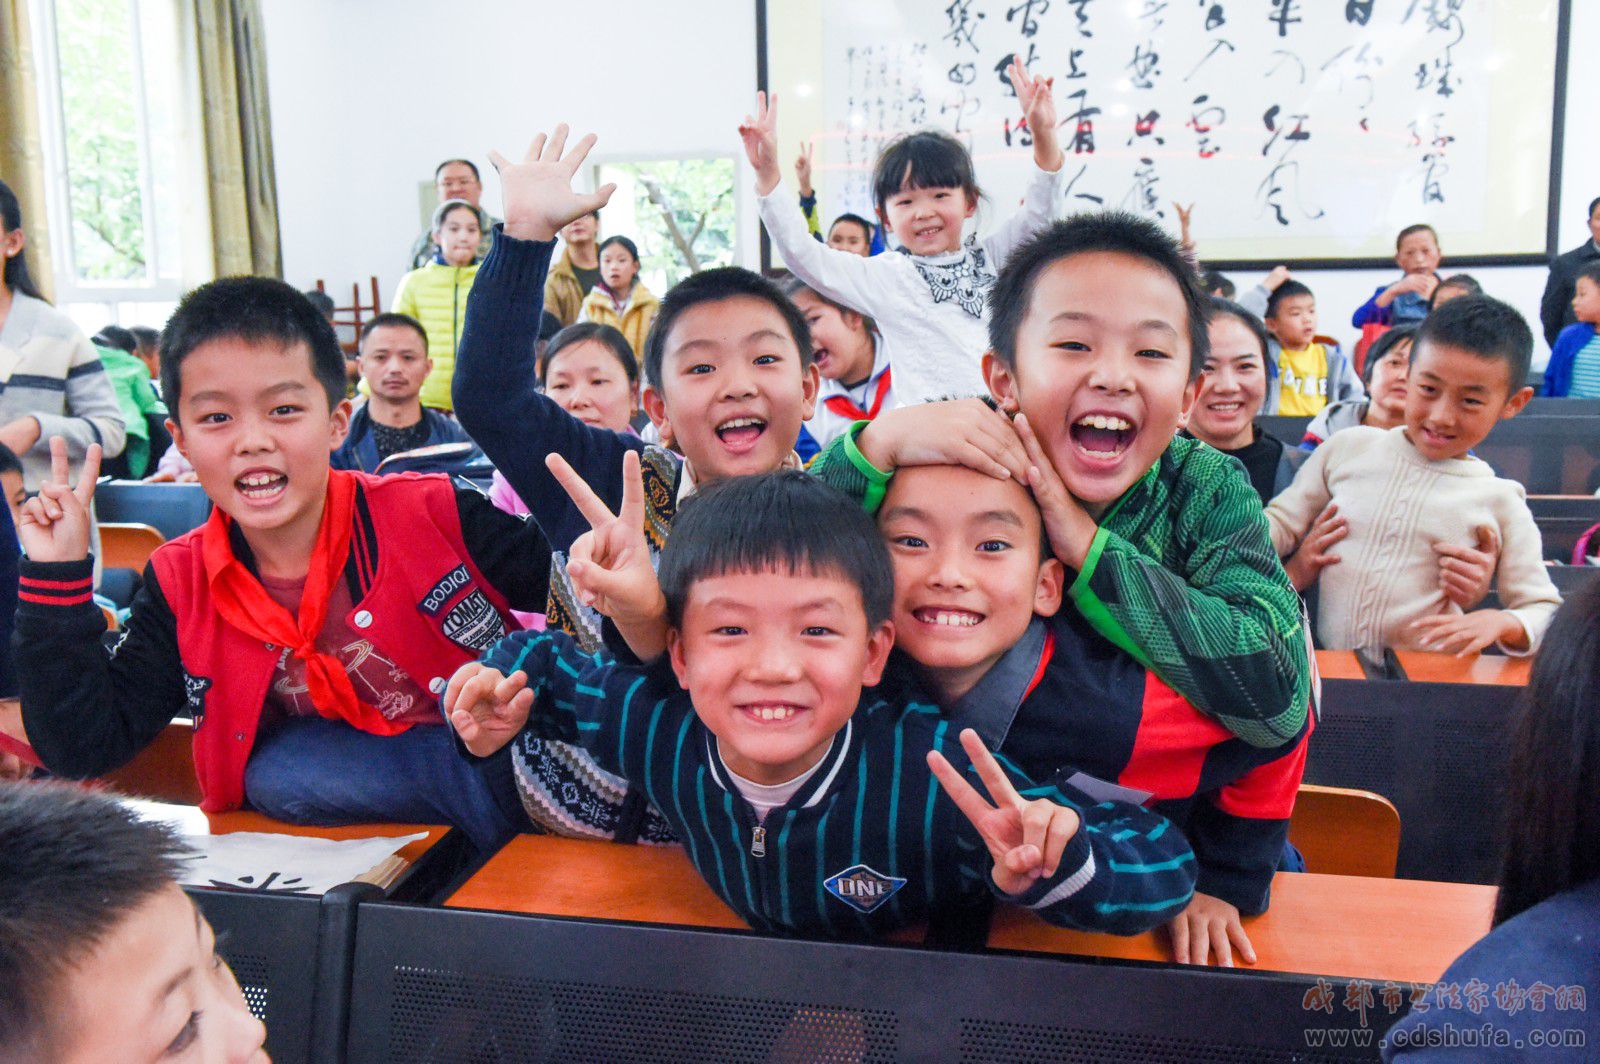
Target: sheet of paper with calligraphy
285,864
1302,129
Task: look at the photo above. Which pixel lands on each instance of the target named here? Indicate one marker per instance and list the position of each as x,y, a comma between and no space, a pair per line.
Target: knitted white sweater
1399,504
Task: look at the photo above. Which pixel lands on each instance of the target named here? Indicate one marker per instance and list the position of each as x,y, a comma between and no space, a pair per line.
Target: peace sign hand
802,168
610,564
55,523
1036,96
537,193
1025,838
760,136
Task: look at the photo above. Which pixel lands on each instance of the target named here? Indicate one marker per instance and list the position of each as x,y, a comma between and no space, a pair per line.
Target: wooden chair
128,546
354,315
1346,832
164,770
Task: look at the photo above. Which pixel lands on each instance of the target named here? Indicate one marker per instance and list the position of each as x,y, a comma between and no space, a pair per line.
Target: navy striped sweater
869,843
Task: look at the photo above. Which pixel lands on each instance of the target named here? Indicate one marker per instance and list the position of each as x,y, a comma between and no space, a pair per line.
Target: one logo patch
861,888
472,623
194,692
439,595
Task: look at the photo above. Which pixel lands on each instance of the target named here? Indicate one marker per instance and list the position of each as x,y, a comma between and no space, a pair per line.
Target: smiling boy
308,625
102,955
799,797
728,383
1098,337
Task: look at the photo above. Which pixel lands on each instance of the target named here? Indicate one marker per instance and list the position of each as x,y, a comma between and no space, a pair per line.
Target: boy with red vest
309,625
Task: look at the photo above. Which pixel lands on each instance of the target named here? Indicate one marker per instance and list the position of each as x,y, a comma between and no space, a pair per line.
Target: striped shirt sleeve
1126,870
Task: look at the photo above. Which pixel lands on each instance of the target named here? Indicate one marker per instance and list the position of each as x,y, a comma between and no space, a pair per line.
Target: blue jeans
317,771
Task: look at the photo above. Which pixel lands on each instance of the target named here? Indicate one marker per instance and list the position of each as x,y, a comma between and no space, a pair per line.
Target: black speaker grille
453,1016
986,1041
254,975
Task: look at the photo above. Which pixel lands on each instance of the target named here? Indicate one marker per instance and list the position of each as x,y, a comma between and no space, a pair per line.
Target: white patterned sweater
932,309
1399,504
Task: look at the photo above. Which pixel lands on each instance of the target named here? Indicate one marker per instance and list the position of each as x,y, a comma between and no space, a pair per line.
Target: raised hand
802,169
1067,524
1025,838
1274,280
1185,218
1465,573
485,708
537,193
760,136
55,523
610,564
1038,103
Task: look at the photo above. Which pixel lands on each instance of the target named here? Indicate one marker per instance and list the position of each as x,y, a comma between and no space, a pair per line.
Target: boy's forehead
776,587
730,322
239,366
1113,286
1423,238
1460,367
956,493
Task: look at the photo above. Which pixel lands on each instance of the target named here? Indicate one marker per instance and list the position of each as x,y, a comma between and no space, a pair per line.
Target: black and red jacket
1065,701
433,572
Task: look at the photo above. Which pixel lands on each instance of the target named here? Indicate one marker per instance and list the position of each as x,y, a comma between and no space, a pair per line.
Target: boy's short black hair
1412,230
1228,308
853,219
145,336
786,520
1388,341
928,158
1590,270
468,163
1094,231
584,331
322,301
1483,326
1214,281
1286,290
76,865
256,310
1462,282
392,317
116,337
9,462
714,286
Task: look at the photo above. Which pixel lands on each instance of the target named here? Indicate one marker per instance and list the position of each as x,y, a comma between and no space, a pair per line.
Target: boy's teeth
949,618
1102,421
775,712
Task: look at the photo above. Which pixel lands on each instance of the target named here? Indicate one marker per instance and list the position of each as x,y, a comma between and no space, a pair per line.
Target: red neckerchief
245,604
844,406
1044,662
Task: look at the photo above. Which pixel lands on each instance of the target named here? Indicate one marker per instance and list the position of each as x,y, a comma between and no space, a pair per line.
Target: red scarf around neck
844,406
244,603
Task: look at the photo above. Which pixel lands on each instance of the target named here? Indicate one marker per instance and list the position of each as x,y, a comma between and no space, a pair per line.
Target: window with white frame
113,126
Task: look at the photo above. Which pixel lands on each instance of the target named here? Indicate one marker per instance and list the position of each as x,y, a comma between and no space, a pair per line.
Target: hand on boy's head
537,193
760,135
55,522
966,432
486,708
1209,927
1275,279
610,564
1067,524
1466,573
1025,838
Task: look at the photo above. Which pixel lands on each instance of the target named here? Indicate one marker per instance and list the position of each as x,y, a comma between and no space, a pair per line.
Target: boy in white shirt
1407,488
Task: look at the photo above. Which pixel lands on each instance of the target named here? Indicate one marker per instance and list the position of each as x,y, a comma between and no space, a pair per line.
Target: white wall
361,113
368,95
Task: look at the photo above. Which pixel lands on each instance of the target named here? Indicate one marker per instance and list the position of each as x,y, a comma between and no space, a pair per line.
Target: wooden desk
1426,667
1401,929
1405,930
1339,665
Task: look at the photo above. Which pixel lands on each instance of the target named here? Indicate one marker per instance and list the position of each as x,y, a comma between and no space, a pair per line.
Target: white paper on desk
1103,791
285,864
